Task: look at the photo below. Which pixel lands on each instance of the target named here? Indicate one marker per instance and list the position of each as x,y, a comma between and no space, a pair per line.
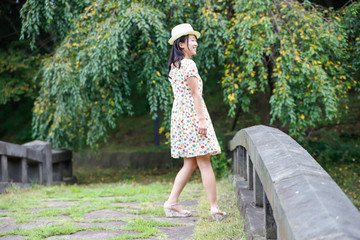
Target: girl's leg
208,178
181,179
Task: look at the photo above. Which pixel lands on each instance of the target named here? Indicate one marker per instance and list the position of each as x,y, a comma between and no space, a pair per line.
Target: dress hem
180,156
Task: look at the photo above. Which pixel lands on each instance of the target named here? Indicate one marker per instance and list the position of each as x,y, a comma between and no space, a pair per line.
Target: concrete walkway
109,219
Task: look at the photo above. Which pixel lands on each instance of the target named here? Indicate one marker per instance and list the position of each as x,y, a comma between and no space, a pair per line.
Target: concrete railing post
258,190
48,176
46,159
270,224
241,160
250,173
24,171
4,169
40,173
236,162
244,164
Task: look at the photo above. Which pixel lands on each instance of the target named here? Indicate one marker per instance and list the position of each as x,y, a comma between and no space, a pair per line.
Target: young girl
192,134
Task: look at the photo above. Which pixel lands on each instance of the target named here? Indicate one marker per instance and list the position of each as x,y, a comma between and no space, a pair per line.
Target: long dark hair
176,54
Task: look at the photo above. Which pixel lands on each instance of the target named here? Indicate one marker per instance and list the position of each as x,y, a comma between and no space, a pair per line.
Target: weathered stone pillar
250,173
241,156
245,164
234,155
258,190
237,160
46,159
40,173
4,169
270,224
24,171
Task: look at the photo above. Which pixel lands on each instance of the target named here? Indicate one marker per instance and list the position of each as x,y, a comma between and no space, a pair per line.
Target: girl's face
189,46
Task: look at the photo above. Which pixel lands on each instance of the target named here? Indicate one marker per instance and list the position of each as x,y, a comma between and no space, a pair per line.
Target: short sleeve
190,69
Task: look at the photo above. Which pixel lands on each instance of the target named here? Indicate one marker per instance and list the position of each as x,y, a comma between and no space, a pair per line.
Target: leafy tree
293,50
17,70
18,64
351,19
298,52
85,83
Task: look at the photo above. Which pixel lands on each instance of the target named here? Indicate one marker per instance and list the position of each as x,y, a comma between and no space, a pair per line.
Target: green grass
26,205
21,202
230,228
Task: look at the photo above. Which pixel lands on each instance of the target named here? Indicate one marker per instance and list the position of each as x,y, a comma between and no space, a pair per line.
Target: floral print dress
185,140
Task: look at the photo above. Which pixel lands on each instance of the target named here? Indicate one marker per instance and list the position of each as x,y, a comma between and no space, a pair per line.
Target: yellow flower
231,97
153,81
302,116
159,74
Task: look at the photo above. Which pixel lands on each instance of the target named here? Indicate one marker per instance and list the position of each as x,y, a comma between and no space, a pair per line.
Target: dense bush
221,163
339,155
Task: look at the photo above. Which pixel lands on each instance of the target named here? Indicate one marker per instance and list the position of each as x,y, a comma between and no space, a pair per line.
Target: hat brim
172,39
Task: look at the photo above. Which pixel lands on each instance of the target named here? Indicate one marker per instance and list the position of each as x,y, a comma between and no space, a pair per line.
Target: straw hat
182,30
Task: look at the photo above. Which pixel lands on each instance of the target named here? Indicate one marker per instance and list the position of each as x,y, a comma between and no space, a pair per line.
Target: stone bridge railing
283,193
33,162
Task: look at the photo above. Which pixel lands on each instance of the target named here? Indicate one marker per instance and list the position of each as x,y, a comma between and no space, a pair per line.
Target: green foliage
221,163
85,84
54,17
339,155
17,69
15,118
298,52
293,50
351,18
332,147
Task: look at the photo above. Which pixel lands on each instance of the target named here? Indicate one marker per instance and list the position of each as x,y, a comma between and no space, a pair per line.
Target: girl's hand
202,127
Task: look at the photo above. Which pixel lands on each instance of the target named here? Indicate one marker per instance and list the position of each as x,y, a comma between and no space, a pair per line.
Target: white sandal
171,213
216,214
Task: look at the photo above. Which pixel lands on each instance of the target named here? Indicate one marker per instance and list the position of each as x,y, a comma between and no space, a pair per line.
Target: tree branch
346,4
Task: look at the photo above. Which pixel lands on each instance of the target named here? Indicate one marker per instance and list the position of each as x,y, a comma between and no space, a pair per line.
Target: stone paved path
109,219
